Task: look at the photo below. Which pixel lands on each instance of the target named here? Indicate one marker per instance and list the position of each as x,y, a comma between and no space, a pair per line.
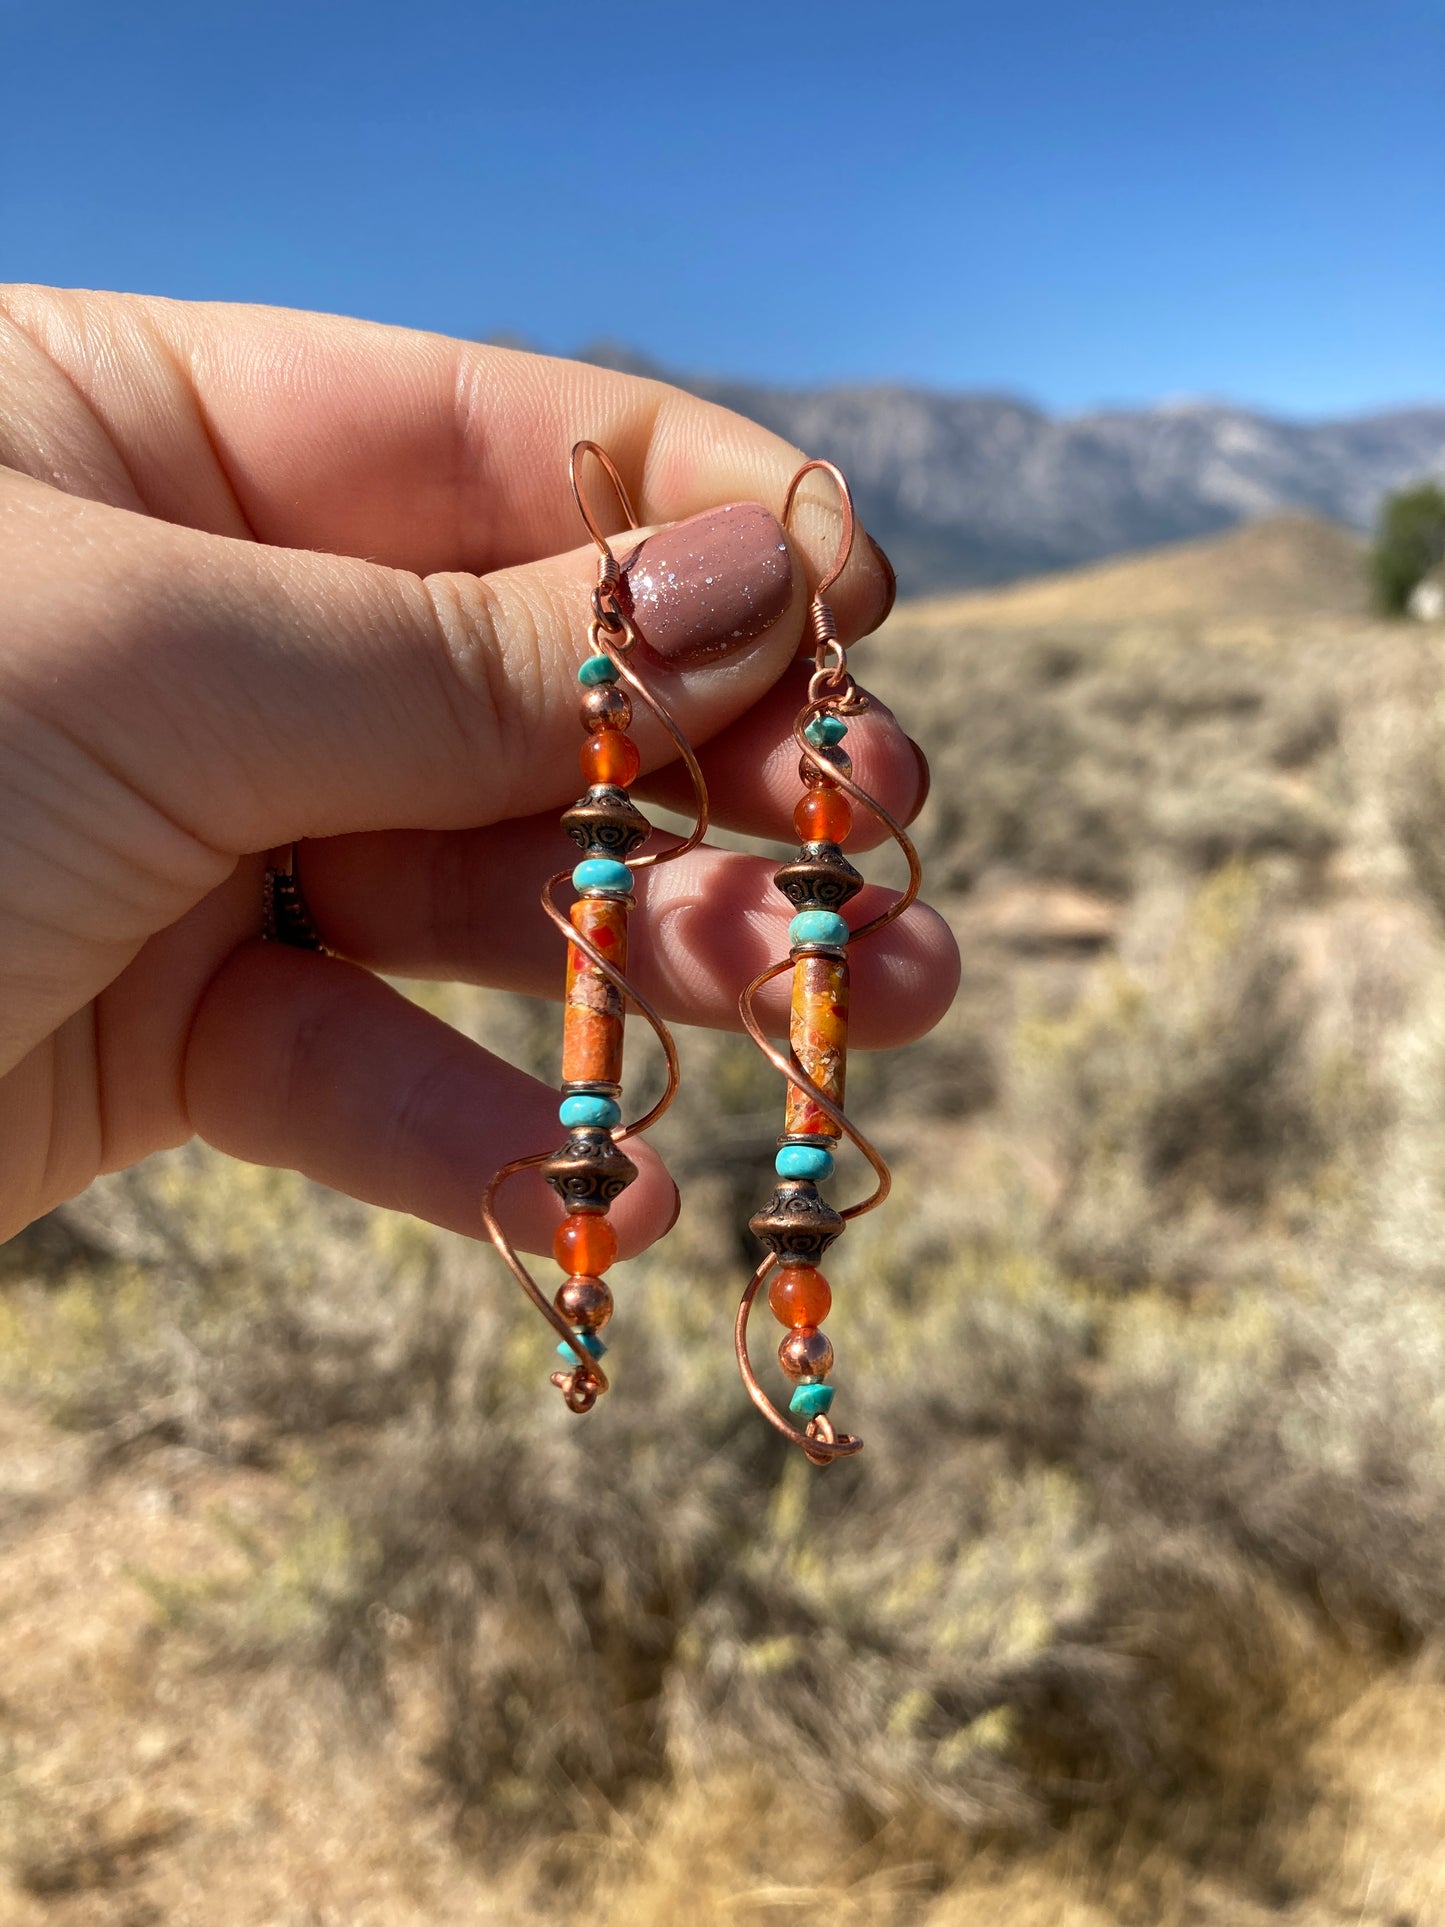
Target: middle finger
462,905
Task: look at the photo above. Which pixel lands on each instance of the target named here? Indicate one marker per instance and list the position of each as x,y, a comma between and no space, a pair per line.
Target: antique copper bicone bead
806,1353
606,822
610,757
585,1243
590,1171
823,816
584,1302
819,877
593,1007
796,1223
799,1295
606,707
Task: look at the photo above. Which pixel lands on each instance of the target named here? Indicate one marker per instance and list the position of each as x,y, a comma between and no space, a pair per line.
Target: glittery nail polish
708,586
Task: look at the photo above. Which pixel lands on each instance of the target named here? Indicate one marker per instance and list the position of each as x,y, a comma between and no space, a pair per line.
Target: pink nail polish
710,585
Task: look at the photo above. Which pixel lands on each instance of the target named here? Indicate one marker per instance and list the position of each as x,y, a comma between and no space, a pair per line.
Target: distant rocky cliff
969,489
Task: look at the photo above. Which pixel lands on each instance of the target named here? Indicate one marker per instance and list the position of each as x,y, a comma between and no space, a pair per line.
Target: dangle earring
590,1170
797,1224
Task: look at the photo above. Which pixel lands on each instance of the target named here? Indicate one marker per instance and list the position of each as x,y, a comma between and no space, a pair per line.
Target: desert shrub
1084,758
1417,788
1409,542
1185,1099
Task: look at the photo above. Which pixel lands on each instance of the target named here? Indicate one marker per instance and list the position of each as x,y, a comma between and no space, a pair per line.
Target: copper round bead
606,707
806,1353
817,775
585,1302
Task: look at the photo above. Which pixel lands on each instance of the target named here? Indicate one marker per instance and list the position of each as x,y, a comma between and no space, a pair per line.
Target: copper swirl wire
612,633
830,688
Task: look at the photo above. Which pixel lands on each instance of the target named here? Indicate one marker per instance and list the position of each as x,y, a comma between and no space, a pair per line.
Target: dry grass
317,1607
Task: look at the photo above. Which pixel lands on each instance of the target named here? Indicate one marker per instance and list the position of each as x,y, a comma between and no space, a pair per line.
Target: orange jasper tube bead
818,1034
593,1011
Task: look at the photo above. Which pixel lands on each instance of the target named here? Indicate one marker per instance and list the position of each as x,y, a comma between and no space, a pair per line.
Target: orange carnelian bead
610,757
585,1243
823,816
799,1295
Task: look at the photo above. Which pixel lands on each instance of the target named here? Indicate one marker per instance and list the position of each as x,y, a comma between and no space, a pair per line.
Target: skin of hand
274,576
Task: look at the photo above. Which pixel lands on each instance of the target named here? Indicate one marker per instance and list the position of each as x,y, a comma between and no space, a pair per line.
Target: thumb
256,695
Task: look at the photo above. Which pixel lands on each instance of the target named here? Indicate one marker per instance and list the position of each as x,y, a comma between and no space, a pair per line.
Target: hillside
965,490
1287,566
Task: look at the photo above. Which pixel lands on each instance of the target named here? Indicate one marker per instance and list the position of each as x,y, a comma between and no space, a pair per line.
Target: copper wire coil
586,1383
818,1440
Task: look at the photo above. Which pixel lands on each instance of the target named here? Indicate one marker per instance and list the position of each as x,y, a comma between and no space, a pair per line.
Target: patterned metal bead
589,1171
820,877
607,823
796,1223
606,707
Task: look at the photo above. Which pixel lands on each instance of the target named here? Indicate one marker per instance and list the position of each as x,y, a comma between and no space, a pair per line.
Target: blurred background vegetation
318,1607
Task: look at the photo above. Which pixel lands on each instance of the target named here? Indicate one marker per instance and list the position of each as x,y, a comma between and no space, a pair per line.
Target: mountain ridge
967,490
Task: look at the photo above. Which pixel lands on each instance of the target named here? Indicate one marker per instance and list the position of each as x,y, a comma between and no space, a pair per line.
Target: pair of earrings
590,1170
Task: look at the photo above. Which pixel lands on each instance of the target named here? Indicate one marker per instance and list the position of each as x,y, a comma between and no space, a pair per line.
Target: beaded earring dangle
590,1170
797,1224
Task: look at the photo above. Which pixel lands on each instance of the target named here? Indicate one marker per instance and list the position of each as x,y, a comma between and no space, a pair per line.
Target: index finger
416,450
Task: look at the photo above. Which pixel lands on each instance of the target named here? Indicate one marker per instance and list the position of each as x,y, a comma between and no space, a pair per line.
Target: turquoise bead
586,1109
589,1341
824,731
602,873
818,927
597,669
811,1401
803,1161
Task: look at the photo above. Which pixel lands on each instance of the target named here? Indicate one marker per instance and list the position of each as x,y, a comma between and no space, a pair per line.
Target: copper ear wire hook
606,605
573,462
845,547
830,677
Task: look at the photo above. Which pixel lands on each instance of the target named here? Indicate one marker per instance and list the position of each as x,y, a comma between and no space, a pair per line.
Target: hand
197,668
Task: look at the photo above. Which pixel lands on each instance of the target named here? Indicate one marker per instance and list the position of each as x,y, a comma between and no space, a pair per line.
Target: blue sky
1079,203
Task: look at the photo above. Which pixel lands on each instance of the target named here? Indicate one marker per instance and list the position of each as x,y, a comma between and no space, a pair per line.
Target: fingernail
890,582
925,780
708,586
